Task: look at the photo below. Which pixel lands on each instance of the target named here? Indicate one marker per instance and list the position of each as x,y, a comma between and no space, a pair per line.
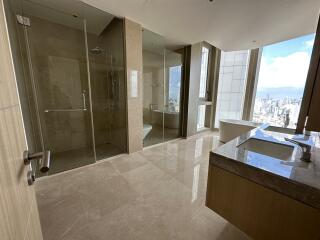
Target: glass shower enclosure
162,77
74,81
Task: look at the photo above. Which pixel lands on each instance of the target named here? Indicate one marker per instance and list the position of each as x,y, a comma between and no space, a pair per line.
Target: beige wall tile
133,42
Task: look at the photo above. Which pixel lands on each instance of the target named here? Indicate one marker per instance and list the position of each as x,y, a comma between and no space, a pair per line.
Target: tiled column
133,52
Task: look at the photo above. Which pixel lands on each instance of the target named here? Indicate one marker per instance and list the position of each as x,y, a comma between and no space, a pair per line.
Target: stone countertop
294,178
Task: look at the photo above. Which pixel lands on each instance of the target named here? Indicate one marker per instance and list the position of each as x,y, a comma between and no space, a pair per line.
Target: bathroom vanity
259,184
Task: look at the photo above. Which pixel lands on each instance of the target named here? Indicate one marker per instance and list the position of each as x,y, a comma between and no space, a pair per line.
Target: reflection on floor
107,150
67,160
160,135
157,194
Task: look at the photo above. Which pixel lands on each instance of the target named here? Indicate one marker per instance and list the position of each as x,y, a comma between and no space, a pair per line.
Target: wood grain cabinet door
19,217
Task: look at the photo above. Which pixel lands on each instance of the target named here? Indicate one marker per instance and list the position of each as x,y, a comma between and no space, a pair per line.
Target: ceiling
69,13
227,24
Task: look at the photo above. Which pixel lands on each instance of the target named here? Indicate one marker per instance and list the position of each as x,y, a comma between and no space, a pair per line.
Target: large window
201,116
203,90
282,76
232,80
204,72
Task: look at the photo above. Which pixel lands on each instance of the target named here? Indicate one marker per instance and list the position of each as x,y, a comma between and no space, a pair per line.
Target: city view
283,71
282,111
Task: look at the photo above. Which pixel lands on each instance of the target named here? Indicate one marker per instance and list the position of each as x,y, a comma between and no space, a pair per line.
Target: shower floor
63,161
156,135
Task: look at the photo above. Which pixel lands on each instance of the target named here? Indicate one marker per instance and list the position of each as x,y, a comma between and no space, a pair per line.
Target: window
282,77
204,72
174,88
232,79
201,116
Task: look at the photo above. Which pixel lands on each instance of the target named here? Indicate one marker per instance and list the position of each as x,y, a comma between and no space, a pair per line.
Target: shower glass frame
34,91
162,108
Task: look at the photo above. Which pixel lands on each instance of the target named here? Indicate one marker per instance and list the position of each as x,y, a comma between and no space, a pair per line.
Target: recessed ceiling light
254,41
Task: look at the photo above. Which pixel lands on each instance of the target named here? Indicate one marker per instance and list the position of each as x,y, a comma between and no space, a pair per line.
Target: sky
286,64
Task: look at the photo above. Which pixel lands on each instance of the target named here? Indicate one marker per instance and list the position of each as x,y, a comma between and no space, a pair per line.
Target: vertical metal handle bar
84,100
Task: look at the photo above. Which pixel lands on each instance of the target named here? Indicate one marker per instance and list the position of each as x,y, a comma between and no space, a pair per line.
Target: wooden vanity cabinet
258,211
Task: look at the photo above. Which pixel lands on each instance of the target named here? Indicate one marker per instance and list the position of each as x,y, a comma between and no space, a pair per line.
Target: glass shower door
153,53
56,47
107,77
172,95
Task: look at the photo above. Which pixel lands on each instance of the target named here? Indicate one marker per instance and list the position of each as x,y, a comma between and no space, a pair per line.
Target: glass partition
172,94
107,78
69,62
153,88
56,49
162,75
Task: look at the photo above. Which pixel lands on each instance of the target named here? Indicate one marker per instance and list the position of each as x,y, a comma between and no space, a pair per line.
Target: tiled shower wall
133,43
60,74
231,87
108,85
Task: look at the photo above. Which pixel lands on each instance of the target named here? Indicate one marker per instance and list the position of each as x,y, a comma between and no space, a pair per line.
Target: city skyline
282,76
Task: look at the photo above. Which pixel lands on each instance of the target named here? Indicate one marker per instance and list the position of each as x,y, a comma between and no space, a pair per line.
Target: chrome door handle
44,158
84,100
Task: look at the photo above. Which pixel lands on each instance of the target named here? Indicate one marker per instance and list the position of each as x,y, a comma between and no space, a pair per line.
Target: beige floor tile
158,193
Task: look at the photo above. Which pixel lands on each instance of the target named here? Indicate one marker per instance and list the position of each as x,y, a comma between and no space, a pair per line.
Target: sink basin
280,130
275,150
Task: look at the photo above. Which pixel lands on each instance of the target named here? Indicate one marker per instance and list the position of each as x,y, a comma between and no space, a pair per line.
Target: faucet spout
306,149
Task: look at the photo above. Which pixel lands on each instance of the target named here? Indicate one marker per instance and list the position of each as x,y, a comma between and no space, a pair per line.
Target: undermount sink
280,130
275,150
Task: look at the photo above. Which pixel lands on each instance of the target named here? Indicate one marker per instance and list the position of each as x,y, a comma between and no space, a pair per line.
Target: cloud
289,71
309,43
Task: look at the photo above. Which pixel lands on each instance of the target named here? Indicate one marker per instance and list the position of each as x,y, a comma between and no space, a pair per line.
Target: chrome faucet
306,149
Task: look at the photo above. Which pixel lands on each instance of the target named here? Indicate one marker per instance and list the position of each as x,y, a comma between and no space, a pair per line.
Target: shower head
96,50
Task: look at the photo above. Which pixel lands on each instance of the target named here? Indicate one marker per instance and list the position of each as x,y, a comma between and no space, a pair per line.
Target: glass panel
107,77
153,88
204,72
201,116
18,46
231,87
173,77
282,77
59,77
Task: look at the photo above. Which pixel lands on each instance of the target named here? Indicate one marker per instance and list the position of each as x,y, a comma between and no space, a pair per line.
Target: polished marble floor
155,194
159,135
63,161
